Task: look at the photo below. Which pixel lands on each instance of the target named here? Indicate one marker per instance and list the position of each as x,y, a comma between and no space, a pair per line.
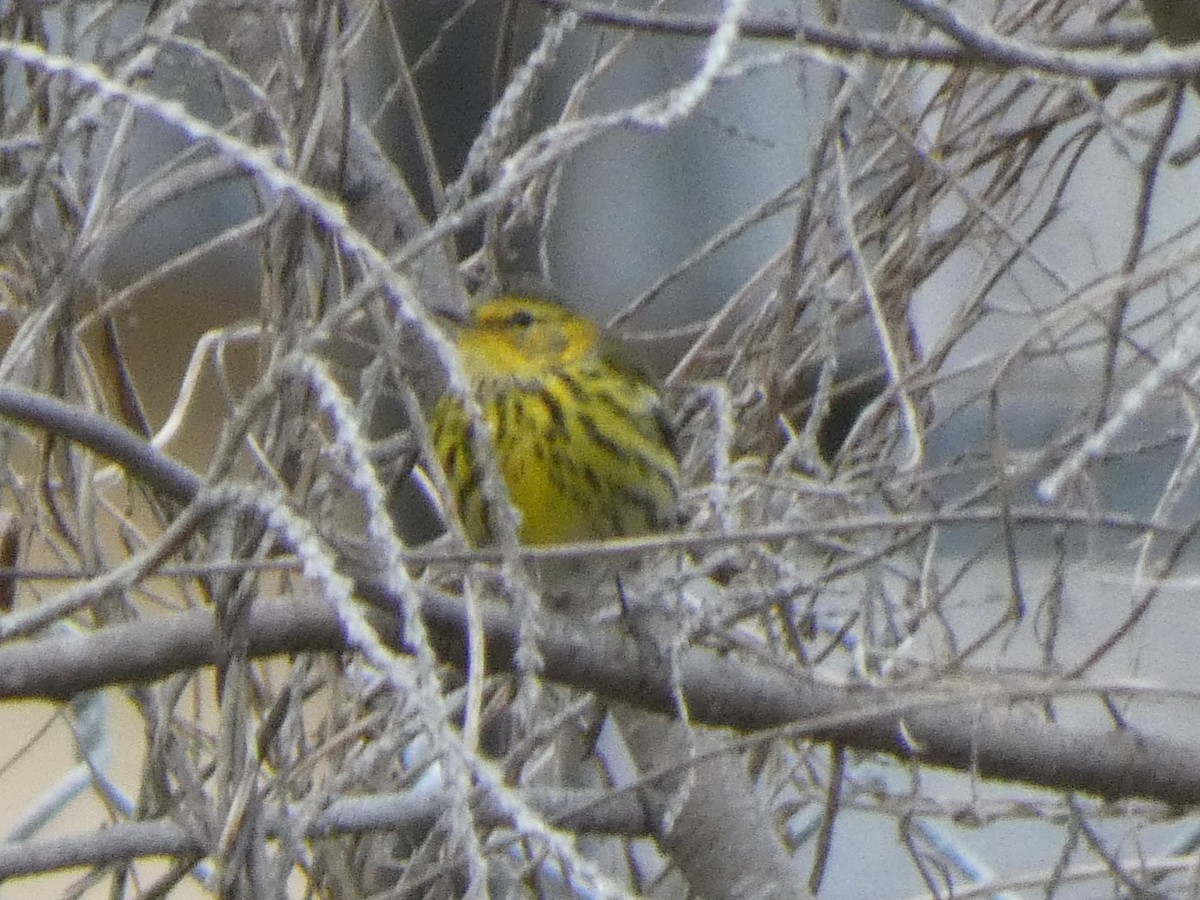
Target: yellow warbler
582,440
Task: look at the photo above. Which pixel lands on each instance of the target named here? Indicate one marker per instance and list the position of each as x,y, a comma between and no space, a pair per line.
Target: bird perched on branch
582,439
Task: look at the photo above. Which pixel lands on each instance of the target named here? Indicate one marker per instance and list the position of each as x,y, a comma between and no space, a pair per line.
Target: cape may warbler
582,440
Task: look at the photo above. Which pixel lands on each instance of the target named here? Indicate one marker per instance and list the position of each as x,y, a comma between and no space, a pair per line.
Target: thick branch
956,729
972,729
581,811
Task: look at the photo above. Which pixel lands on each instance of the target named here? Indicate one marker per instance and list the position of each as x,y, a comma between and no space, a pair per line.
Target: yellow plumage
582,440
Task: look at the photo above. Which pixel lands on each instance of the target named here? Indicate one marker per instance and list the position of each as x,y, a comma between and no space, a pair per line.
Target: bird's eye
522,318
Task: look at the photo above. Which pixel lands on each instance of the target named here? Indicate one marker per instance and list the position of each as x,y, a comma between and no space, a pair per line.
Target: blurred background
944,294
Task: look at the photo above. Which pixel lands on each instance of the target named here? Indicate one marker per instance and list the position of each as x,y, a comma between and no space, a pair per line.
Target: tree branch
595,812
943,727
971,729
970,45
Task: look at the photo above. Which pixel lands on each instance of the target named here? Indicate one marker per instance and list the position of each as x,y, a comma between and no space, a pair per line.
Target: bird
582,437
